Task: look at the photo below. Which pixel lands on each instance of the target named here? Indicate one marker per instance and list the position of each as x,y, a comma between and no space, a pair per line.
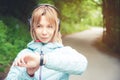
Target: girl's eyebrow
47,24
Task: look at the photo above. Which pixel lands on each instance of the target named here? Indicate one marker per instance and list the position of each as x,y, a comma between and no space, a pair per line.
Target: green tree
79,14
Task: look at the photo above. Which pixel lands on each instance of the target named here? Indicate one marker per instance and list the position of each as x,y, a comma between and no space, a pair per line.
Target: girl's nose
44,32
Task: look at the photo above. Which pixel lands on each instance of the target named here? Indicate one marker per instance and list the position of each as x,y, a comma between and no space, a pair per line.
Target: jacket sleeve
19,73
66,60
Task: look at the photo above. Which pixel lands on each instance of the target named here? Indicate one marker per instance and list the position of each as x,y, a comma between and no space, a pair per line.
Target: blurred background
76,16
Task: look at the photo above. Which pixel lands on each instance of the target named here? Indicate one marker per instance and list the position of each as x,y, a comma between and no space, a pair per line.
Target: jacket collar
34,45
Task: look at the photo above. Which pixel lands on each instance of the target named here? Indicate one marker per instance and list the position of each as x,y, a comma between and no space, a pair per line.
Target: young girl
45,58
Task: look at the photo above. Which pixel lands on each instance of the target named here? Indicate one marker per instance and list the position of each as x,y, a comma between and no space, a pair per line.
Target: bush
13,37
3,48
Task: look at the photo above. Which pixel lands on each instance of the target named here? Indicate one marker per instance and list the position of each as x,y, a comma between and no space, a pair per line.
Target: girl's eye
50,26
39,26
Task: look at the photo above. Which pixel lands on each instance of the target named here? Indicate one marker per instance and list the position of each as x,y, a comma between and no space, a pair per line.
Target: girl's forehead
44,19
49,14
50,20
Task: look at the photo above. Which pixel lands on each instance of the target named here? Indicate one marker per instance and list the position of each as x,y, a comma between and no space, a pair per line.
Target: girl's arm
66,60
19,73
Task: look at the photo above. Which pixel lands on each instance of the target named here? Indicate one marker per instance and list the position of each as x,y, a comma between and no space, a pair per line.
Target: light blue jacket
60,63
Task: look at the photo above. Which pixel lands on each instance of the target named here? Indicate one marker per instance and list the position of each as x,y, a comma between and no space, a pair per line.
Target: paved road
102,66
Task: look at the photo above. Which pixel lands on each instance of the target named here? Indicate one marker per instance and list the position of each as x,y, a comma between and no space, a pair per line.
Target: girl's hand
29,60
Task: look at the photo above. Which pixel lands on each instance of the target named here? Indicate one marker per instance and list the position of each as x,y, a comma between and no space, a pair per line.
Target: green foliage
92,12
77,15
14,37
72,27
3,58
45,1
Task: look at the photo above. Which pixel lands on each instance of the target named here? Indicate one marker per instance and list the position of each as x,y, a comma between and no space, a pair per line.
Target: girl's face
44,30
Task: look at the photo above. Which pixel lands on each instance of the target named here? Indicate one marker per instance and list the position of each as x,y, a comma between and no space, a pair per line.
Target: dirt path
103,65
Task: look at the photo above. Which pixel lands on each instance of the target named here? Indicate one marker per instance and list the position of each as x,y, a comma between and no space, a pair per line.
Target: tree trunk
111,18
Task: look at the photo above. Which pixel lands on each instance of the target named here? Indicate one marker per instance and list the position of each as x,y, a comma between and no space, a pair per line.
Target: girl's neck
40,41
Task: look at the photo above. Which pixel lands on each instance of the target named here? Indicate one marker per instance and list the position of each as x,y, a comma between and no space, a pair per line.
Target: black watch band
41,59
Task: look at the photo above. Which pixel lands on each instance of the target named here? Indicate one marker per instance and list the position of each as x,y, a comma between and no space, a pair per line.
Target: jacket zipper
40,73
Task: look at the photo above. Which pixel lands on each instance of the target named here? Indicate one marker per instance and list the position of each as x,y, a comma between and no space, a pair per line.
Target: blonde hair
52,15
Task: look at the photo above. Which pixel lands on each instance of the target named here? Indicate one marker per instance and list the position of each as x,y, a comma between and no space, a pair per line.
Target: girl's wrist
41,59
31,75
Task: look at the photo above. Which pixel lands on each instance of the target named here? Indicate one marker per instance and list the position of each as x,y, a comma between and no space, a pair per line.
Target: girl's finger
16,62
21,64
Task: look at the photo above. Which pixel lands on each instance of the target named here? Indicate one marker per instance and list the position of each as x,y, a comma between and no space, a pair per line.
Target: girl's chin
44,41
